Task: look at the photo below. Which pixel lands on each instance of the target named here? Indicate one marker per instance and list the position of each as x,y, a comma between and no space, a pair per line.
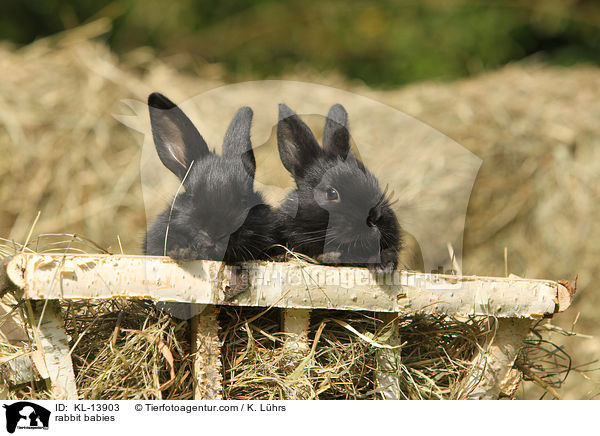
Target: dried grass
126,351
436,355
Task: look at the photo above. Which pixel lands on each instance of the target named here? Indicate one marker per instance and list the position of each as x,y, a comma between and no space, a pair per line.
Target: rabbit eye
332,195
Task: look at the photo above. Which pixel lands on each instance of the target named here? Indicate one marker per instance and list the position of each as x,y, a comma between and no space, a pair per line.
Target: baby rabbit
218,216
337,213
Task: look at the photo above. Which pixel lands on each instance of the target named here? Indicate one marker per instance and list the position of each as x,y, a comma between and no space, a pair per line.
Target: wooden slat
491,374
286,285
389,362
55,350
207,355
295,324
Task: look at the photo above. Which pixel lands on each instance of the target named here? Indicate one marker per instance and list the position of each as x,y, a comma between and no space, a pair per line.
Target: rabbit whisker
314,232
173,205
307,242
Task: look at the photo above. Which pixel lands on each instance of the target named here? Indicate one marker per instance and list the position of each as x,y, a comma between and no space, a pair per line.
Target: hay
128,351
436,355
535,127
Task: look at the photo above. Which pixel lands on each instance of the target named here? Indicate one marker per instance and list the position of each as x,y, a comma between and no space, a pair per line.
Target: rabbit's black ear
297,145
177,141
237,139
336,138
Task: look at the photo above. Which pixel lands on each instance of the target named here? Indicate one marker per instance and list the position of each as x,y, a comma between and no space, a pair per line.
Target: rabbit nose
374,217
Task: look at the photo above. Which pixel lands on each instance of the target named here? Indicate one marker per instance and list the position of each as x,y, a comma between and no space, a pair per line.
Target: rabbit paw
240,282
330,258
182,253
384,268
388,262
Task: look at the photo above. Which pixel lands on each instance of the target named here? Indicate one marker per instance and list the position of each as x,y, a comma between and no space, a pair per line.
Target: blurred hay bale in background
63,151
536,129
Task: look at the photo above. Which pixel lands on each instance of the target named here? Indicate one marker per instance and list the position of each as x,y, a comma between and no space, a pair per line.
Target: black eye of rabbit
332,195
374,217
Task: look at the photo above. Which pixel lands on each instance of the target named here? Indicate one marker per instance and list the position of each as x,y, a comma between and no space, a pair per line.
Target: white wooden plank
55,347
285,285
389,362
492,368
15,369
296,323
207,355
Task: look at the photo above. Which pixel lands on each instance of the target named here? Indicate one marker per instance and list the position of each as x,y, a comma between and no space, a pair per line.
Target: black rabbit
337,214
218,216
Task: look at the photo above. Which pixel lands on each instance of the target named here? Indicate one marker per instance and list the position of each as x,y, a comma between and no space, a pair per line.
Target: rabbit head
218,215
338,211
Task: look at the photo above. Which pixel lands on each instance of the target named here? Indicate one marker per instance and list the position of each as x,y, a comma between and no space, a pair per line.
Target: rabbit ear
177,141
237,139
336,138
298,146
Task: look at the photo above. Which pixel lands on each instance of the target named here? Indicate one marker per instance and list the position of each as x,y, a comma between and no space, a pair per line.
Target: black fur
218,215
359,228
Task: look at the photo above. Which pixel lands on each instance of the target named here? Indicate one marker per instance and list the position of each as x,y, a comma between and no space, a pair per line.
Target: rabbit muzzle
210,247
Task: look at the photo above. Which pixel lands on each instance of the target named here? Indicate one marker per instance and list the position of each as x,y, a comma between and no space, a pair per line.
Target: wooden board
492,371
207,355
56,353
286,285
